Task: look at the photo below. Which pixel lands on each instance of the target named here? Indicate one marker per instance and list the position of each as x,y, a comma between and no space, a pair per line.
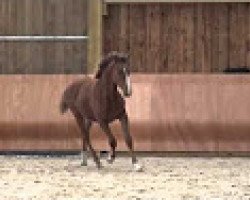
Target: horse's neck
105,87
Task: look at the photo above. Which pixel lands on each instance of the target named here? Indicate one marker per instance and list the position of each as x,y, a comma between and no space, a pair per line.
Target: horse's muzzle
127,94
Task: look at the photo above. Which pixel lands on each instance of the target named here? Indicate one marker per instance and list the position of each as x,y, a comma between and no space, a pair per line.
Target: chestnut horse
98,100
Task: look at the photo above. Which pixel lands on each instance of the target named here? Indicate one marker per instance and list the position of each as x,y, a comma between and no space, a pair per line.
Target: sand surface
30,177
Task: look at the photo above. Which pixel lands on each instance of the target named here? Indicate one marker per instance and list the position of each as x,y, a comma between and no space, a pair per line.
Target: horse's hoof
138,167
99,166
110,159
84,163
84,158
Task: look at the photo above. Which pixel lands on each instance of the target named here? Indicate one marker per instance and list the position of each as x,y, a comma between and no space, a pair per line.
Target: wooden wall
167,113
179,37
30,117
43,17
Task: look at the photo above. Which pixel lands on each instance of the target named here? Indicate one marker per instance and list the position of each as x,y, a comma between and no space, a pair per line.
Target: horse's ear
124,56
127,55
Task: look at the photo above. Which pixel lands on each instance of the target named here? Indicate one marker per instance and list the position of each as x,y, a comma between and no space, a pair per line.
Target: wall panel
180,37
166,112
41,18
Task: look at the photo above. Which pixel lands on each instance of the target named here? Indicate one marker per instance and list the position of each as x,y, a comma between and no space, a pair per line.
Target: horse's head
121,74
118,65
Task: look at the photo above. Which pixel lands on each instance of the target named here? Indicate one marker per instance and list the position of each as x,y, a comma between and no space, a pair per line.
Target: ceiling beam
173,1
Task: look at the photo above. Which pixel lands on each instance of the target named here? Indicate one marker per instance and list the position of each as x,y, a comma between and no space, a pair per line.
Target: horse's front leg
129,141
112,141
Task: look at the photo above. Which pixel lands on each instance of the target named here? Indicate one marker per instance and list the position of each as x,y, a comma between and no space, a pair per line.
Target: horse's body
98,100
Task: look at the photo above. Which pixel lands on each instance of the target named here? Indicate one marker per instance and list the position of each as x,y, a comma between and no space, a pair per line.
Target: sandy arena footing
205,178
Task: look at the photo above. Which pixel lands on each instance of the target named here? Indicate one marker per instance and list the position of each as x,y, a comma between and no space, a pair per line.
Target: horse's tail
69,96
63,106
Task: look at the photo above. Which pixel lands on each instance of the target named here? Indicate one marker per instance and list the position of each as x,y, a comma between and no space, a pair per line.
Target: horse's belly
88,113
115,114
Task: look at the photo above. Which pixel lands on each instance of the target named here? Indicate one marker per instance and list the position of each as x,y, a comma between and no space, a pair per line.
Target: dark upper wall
43,17
180,37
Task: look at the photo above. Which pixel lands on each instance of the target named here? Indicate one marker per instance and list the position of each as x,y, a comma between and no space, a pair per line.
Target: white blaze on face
128,82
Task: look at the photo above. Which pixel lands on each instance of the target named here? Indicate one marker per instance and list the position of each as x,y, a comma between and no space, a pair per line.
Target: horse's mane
105,62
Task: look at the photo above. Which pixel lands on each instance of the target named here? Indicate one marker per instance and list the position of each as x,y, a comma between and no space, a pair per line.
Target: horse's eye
121,72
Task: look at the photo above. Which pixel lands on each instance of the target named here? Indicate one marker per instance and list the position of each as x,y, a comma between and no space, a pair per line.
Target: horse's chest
110,109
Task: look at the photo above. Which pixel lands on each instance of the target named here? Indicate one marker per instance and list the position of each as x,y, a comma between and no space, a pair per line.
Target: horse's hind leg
85,131
95,157
84,127
128,139
112,141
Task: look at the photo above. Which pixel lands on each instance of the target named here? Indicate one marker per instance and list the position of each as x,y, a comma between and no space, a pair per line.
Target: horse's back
72,92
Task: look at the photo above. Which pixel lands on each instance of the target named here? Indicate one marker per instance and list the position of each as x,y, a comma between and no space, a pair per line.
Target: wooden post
95,34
